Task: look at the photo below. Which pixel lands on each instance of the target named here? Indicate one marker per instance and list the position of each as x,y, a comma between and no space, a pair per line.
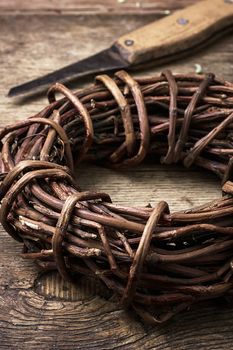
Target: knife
179,32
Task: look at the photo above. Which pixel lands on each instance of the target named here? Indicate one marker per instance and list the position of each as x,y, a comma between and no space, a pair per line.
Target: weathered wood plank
92,6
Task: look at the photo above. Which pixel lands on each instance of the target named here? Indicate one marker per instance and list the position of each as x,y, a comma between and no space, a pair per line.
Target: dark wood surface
39,311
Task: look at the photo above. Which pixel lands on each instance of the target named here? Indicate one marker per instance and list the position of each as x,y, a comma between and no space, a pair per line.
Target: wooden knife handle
180,31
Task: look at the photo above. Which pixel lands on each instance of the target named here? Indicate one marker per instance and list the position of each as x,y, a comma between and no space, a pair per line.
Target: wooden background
39,311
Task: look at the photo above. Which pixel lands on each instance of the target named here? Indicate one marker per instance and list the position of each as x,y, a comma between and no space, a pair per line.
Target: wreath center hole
149,183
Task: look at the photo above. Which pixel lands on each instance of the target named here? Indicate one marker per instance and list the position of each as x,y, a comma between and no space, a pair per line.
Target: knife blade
179,32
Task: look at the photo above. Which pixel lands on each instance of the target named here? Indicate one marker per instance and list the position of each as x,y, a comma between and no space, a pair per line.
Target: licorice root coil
156,262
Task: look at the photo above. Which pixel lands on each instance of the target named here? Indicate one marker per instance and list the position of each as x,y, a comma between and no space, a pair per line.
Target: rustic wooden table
39,311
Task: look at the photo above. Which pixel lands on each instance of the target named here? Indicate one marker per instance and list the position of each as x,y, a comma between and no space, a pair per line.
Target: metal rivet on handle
129,42
182,21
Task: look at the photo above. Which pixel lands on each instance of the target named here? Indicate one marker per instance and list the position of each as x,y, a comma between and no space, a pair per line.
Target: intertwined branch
157,262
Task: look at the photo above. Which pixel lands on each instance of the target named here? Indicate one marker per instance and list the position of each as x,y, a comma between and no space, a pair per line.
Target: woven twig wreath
157,262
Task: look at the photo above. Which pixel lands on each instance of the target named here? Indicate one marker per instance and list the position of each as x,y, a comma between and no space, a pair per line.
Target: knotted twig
157,262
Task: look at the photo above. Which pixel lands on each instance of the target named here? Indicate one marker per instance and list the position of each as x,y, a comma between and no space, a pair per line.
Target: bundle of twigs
157,262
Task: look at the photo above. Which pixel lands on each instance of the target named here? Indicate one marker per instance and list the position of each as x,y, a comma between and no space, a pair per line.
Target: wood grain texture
40,311
168,36
106,7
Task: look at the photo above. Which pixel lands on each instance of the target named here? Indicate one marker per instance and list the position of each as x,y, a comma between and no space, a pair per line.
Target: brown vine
158,263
